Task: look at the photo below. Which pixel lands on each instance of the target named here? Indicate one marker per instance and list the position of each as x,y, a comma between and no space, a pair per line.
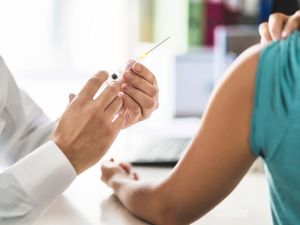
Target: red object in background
217,13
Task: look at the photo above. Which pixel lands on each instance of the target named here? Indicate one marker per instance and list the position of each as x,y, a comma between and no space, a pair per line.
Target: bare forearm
217,159
141,199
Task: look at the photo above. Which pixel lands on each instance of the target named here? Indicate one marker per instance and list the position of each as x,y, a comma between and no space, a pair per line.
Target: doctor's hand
89,125
279,26
139,93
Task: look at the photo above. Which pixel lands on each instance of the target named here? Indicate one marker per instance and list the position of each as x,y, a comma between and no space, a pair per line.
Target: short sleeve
277,95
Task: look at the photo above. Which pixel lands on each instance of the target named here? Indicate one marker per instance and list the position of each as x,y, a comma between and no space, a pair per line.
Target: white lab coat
30,185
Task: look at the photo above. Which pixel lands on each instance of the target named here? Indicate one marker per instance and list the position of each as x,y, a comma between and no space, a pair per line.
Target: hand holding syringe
138,89
140,58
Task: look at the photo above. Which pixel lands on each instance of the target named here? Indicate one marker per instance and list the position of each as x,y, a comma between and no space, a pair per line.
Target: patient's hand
111,170
279,26
140,93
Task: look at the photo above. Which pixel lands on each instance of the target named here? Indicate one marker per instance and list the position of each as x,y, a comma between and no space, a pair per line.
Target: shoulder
273,55
239,78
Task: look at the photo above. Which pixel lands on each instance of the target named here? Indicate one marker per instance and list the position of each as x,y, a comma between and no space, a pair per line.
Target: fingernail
137,67
129,64
123,165
130,61
127,76
71,96
125,87
284,34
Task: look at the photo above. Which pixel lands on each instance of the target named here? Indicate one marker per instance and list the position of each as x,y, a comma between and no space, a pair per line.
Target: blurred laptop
162,152
161,144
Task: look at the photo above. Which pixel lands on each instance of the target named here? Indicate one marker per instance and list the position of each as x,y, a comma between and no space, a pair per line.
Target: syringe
119,72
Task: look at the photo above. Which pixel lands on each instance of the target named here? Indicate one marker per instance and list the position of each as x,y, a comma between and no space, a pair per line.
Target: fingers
136,176
114,106
143,72
134,110
276,25
126,166
292,24
110,168
107,169
108,164
141,93
139,83
119,121
108,94
92,86
146,103
128,169
264,33
128,67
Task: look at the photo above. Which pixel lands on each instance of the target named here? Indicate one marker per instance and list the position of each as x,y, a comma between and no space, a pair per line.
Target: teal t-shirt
275,133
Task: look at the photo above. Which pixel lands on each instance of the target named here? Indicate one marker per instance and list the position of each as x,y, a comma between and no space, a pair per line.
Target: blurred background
53,46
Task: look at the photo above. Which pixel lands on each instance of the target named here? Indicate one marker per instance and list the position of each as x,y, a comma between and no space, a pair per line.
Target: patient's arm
216,161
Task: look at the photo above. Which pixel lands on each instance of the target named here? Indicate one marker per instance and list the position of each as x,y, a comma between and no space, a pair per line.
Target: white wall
53,46
171,19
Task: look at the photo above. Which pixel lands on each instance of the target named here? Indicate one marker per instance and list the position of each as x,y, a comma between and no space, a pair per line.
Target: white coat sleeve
30,186
38,170
23,124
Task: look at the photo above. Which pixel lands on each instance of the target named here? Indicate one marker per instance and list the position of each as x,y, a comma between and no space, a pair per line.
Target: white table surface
88,201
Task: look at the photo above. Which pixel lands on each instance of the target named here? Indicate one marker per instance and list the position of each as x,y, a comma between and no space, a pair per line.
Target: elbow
162,207
162,214
170,219
167,210
176,214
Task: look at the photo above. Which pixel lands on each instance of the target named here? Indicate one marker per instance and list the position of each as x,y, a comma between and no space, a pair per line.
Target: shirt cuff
44,174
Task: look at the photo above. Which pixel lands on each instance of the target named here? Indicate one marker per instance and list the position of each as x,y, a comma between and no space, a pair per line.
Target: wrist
69,155
48,167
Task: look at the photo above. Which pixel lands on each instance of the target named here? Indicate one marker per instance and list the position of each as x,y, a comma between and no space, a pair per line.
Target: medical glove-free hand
89,125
